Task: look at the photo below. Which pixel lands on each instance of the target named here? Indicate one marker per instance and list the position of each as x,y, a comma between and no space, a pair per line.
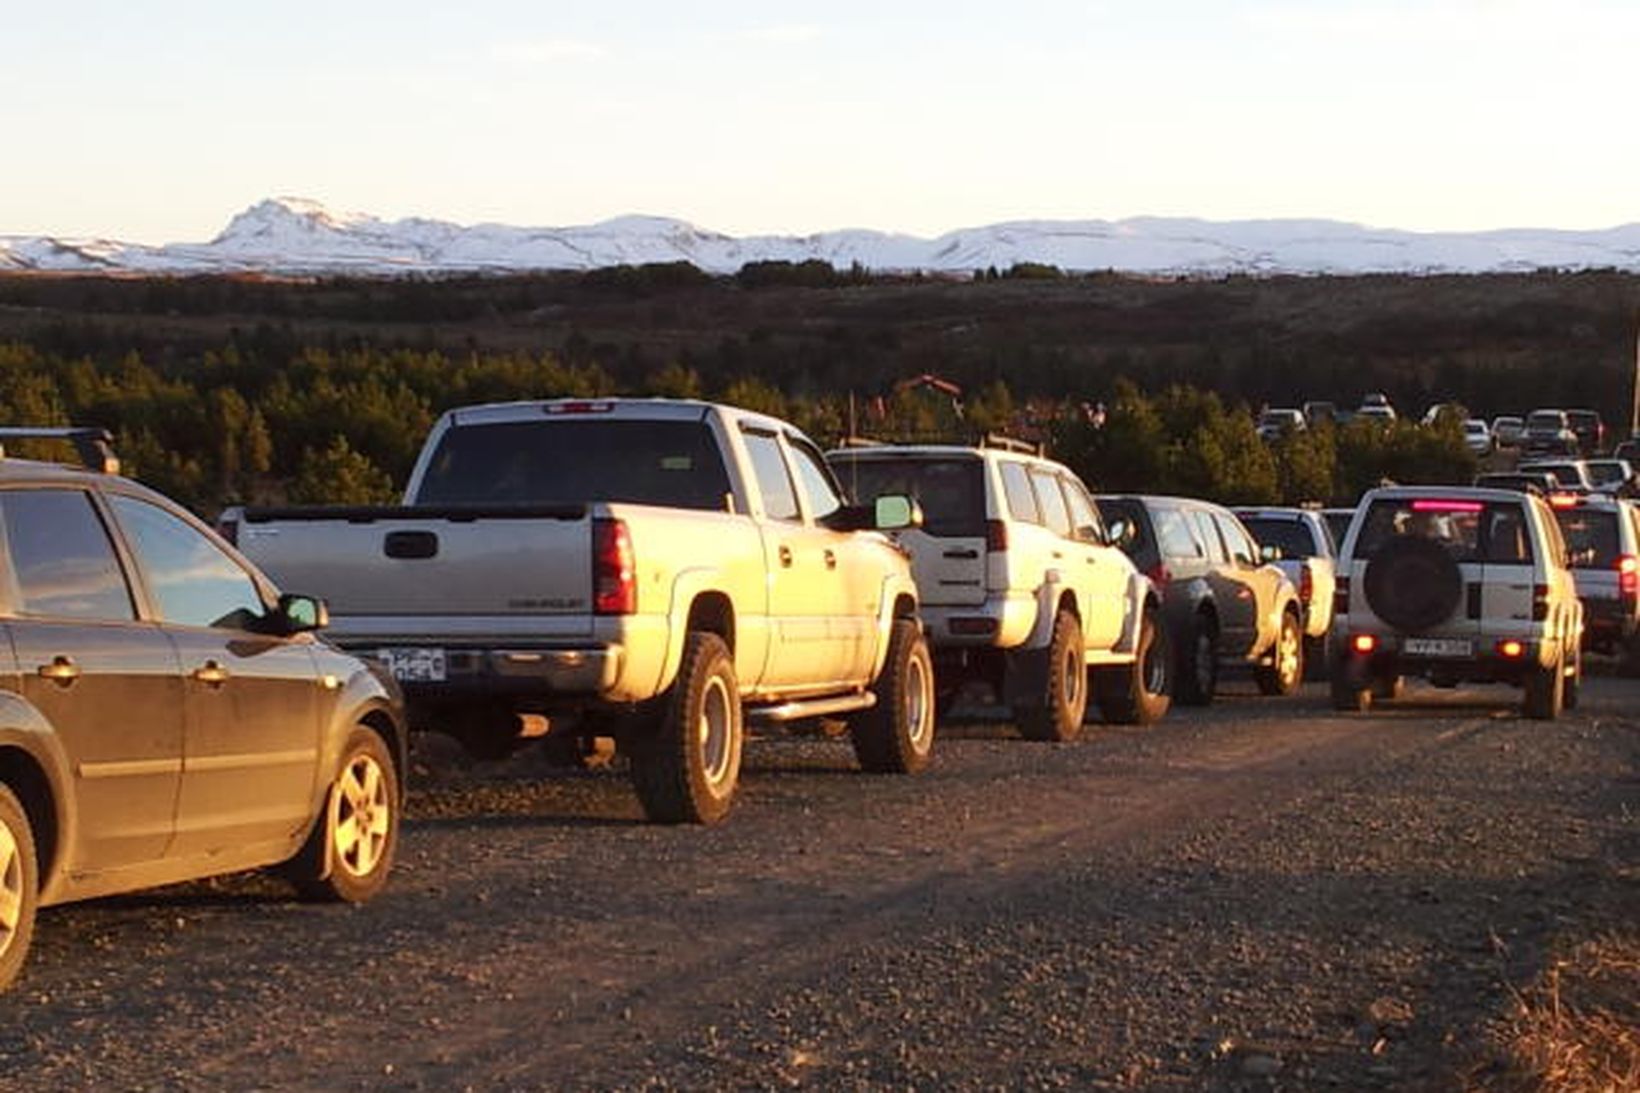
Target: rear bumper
1486,663
1001,622
571,674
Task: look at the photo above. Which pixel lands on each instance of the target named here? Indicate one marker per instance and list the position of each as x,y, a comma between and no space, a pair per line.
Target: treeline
328,426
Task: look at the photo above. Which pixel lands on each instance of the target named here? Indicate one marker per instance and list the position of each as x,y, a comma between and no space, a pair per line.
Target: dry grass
1577,1029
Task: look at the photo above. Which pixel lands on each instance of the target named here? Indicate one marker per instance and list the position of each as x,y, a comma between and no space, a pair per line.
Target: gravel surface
1260,895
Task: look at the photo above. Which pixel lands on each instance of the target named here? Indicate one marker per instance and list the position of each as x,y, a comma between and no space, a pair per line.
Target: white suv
1019,585
1456,585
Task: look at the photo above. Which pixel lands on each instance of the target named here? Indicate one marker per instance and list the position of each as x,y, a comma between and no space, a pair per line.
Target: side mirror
300,614
1119,533
1270,553
896,512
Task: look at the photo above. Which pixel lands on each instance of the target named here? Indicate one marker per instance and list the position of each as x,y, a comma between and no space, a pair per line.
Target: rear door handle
211,674
962,555
785,555
61,670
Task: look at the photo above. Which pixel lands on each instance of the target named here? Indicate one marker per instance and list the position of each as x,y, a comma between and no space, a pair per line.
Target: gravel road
1260,895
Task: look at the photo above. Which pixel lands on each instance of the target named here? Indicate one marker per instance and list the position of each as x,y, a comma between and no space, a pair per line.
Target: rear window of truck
1591,537
675,463
1292,537
951,492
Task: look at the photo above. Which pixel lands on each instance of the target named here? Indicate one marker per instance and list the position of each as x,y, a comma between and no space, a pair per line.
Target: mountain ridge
296,236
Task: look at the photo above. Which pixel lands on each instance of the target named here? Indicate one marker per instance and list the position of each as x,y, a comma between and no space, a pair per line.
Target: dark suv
165,714
1223,604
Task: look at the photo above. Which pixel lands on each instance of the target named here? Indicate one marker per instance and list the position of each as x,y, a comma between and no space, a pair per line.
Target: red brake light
579,406
1540,602
1159,576
1511,649
614,573
1306,584
1628,576
1364,643
996,536
1563,500
1447,506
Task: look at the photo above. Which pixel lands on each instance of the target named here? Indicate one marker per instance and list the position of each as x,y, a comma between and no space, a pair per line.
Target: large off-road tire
349,854
1139,693
1285,672
1348,696
1413,584
1053,696
686,769
1197,679
1318,657
19,886
1545,691
896,736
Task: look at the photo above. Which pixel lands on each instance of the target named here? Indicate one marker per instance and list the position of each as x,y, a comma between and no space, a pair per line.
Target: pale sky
157,120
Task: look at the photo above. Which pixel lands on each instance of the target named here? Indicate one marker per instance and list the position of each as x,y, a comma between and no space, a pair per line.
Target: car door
805,587
109,684
251,701
1232,597
1104,570
1259,583
857,559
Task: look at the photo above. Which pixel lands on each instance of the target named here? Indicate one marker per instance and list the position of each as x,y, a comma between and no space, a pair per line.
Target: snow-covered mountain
297,236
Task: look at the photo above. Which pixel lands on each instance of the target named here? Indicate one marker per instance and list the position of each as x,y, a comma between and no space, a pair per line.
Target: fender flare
894,588
688,585
25,729
1141,595
1048,594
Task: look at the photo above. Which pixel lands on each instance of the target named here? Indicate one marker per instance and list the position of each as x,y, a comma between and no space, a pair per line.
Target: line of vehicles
1540,433
671,576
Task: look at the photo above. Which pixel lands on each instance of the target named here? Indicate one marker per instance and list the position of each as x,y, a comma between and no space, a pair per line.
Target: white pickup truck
644,569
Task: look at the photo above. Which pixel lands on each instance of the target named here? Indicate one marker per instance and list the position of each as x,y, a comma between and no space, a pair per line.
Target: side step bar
810,707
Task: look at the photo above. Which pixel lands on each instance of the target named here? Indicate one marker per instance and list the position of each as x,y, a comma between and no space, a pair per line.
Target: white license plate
414,665
1439,647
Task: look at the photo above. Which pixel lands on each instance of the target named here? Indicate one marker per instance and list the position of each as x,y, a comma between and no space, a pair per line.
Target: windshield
950,491
1591,537
1291,537
673,463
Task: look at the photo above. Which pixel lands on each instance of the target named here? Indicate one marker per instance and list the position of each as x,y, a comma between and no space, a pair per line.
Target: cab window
774,481
1016,486
62,558
1236,538
192,582
811,472
1209,534
1055,516
1085,523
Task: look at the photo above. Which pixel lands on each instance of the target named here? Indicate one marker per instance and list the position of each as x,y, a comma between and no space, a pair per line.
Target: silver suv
1456,585
1019,585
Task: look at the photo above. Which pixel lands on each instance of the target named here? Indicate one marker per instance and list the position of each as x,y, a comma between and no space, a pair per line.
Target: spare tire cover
1413,583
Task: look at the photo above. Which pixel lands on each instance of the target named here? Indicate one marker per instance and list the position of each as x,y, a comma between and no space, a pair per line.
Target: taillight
1540,602
1628,577
1306,584
1159,576
1511,648
996,536
1364,643
614,574
1341,596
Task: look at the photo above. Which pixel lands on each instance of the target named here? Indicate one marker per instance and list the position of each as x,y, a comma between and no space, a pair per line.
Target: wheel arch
26,776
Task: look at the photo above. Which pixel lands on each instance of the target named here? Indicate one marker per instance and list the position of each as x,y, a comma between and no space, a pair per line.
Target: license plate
1439,647
414,665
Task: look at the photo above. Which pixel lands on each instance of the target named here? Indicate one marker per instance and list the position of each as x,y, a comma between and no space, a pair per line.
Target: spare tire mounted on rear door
1413,583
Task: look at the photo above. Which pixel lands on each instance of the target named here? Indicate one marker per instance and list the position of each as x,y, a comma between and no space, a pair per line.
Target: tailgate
950,570
407,561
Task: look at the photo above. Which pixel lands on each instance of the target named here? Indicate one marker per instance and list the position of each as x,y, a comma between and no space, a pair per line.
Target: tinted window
950,492
1055,515
573,461
774,482
192,582
1291,537
1017,486
1591,536
811,471
62,557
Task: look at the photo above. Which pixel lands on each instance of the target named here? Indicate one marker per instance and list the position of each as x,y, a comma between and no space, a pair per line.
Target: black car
1590,430
1224,605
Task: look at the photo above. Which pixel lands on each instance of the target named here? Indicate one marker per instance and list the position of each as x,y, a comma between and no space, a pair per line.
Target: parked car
1548,433
1020,586
1539,482
1224,605
1445,411
1590,430
1508,431
1319,412
1274,424
1629,450
1477,437
1377,415
1302,547
1458,585
1376,398
1610,475
1603,541
165,713
651,571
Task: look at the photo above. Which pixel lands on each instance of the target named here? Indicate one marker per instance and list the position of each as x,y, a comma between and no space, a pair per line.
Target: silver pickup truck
649,570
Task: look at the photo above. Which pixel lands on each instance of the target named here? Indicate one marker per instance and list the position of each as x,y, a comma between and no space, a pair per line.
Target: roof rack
95,445
1012,444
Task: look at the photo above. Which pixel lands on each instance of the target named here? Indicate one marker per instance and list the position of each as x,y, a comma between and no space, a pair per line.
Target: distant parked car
1548,433
1308,555
1445,411
1590,430
1274,424
1610,475
1569,474
1538,482
1224,605
1376,398
1628,449
1508,431
1477,437
1378,415
1319,412
1603,542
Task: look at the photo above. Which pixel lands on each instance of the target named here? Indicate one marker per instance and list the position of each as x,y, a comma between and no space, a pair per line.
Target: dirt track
1259,895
